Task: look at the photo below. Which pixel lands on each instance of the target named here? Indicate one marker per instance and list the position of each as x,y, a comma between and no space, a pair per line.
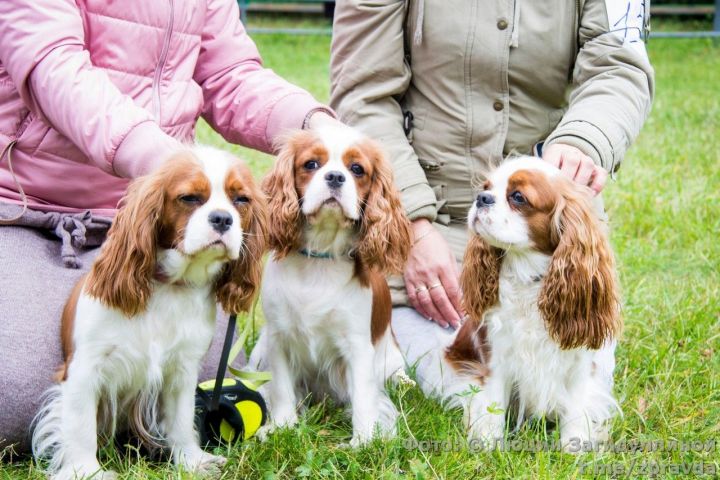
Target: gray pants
34,285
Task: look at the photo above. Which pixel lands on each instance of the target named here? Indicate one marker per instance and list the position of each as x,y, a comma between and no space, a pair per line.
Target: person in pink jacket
94,93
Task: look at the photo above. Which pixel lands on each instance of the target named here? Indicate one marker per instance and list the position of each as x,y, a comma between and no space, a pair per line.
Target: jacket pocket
443,217
429,165
56,144
31,133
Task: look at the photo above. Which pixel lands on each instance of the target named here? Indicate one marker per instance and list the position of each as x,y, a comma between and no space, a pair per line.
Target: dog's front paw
487,428
366,432
285,421
210,466
360,440
203,464
265,431
83,473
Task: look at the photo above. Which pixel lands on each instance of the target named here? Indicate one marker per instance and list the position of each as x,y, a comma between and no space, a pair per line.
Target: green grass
665,211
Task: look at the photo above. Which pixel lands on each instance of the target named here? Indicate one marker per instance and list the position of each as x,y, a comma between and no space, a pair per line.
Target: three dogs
538,281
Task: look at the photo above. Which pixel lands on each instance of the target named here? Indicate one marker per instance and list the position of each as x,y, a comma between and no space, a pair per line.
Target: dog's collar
313,254
325,255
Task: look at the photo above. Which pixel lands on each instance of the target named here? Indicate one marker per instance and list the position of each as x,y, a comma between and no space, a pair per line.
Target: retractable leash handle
234,409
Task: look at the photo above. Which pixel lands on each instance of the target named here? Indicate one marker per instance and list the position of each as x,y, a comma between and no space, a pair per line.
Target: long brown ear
385,233
480,277
284,225
579,299
236,286
121,276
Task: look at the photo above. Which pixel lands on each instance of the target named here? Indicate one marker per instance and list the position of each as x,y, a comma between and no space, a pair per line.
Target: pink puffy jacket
93,91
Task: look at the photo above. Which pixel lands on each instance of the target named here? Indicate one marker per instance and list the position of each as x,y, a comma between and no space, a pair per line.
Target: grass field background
665,214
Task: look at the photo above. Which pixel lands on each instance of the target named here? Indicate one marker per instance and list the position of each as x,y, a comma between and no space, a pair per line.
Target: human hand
321,119
577,166
432,277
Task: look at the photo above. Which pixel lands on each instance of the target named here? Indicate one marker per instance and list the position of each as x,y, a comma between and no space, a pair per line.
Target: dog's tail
47,442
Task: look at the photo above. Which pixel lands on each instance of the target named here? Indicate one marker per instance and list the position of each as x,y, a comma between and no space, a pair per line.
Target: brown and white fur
540,290
336,227
136,327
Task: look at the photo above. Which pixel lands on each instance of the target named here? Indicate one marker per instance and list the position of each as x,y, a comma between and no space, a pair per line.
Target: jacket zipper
161,64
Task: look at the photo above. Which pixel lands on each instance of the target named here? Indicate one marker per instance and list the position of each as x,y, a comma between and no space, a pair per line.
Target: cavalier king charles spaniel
336,228
136,327
540,290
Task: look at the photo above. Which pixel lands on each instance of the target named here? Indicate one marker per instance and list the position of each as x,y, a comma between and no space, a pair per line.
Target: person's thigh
34,286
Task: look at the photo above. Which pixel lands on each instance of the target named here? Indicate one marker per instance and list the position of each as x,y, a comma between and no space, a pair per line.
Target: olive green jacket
481,79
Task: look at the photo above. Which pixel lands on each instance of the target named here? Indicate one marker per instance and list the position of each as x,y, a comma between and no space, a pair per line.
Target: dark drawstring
73,229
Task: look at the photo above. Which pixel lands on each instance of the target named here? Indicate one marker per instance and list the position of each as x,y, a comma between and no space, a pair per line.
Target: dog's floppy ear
236,286
579,299
385,229
480,277
285,221
121,277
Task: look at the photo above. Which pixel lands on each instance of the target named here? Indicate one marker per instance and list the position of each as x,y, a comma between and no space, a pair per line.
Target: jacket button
498,105
502,24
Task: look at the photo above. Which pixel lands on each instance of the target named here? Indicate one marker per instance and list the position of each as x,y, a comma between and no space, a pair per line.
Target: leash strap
256,379
229,353
223,362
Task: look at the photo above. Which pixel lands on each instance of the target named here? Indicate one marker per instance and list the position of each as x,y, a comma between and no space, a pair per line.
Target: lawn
665,213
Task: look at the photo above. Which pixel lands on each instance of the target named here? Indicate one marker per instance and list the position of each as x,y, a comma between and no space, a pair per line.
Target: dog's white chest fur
317,308
140,352
521,346
317,340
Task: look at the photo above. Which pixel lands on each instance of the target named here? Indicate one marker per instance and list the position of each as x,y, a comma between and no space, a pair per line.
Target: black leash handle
222,367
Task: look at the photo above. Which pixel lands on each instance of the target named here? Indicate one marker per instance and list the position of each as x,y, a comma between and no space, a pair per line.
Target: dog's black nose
484,200
334,179
220,220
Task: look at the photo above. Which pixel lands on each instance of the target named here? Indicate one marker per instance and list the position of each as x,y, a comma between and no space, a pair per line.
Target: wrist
421,229
317,117
421,224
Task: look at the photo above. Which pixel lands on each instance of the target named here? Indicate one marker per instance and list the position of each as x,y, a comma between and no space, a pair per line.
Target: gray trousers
34,285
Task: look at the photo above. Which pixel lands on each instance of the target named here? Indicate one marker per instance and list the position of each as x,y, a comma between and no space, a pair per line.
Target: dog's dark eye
518,198
190,199
357,170
311,165
240,199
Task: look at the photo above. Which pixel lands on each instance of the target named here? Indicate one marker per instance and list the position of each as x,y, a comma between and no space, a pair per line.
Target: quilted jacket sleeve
43,51
245,102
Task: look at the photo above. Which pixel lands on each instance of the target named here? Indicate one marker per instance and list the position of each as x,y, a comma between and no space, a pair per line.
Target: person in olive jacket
450,88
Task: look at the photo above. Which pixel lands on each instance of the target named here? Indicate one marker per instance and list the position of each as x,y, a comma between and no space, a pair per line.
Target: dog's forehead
217,165
338,139
501,176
